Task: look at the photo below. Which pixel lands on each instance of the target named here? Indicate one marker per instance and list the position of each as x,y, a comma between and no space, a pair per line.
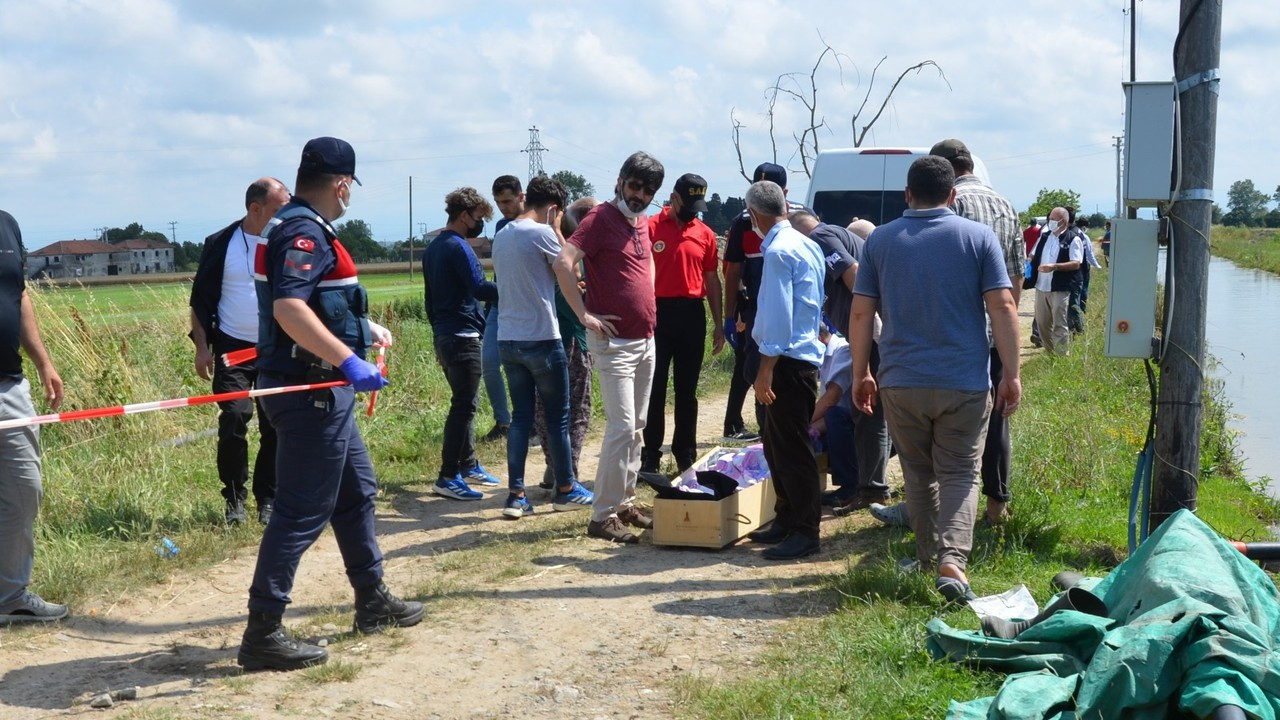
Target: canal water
1244,345
1241,330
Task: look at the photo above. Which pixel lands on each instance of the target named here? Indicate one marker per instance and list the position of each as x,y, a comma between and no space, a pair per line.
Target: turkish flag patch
304,244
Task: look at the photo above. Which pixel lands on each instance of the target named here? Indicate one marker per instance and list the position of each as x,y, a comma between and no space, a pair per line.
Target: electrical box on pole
1148,143
1131,288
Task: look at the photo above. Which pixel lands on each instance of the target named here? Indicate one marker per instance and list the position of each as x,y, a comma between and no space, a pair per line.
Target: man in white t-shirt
224,318
529,344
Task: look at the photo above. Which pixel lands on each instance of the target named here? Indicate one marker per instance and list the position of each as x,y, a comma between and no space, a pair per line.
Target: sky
163,111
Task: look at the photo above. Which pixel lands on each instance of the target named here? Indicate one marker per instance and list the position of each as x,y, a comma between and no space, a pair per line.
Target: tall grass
1076,439
1247,247
114,487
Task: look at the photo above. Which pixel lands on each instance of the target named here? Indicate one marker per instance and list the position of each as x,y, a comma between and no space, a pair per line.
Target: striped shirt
977,202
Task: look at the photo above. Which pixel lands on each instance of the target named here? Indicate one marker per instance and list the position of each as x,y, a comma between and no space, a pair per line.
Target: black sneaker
377,608
264,512
744,436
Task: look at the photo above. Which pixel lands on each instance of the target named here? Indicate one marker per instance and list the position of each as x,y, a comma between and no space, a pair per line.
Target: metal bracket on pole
1208,76
1193,194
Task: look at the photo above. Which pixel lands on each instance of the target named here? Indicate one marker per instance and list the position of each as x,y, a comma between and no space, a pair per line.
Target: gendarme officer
313,327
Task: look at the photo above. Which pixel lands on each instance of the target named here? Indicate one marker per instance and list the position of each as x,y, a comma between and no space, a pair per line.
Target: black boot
377,608
1073,599
266,646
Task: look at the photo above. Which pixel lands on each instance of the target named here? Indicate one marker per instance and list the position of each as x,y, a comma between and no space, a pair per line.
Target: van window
840,207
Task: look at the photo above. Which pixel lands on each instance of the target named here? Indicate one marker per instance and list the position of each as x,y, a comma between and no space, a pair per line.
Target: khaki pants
625,370
939,435
1051,318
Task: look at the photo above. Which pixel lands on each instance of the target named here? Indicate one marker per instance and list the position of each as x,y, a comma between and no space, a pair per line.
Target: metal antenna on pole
535,148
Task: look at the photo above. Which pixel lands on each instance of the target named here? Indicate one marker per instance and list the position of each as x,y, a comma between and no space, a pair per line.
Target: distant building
148,256
94,258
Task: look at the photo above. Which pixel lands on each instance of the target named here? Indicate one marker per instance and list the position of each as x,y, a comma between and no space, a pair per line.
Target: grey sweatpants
20,489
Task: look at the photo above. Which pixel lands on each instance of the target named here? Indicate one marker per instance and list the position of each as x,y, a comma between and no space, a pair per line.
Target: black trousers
679,339
997,455
792,467
459,357
233,428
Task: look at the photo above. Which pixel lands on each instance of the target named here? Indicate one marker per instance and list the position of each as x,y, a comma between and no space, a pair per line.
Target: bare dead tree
804,90
737,143
858,137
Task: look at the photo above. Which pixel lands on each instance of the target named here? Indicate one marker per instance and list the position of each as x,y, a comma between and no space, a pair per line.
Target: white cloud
155,110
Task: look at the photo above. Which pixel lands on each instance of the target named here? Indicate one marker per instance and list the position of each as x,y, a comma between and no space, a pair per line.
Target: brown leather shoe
611,529
861,502
635,517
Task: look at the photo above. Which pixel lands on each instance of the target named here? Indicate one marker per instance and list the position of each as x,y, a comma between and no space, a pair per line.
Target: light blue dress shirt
790,302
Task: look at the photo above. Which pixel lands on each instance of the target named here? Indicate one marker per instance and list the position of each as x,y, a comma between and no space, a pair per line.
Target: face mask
627,212
342,206
755,228
475,230
686,215
1053,226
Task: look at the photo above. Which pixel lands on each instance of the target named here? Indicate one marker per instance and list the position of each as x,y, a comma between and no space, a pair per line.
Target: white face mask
1053,226
342,205
621,204
755,228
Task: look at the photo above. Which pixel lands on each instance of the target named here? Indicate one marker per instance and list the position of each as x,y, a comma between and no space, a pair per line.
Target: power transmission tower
173,233
535,148
1179,415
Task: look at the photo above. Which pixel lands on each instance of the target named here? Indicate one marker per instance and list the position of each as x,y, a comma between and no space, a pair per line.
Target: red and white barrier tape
94,413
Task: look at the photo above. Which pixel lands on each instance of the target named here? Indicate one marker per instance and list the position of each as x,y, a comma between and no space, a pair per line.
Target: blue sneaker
517,507
456,488
578,498
479,476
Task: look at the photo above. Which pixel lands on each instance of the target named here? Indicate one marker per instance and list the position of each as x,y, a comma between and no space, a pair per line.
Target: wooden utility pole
410,227
1179,416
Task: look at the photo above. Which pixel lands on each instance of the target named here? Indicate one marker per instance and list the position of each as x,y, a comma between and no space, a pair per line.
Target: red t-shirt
616,258
681,255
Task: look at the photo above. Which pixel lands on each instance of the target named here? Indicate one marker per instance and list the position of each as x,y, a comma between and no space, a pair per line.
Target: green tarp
1193,625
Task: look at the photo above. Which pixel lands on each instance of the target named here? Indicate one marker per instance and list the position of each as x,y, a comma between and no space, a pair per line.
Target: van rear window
841,207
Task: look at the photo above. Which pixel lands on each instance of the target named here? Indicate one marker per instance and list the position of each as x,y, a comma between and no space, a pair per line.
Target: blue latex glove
731,332
363,376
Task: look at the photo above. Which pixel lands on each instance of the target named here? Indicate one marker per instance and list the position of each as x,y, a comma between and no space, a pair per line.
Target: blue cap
329,155
772,172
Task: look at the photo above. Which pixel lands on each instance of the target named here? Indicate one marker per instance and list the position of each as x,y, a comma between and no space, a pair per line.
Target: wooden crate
713,524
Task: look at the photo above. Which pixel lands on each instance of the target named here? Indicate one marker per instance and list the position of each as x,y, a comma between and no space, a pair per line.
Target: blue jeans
842,456
491,370
537,366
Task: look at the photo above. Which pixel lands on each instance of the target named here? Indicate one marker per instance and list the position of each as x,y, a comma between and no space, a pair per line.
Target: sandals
954,591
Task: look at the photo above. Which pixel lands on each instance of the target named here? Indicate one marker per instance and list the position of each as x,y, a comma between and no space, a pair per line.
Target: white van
865,183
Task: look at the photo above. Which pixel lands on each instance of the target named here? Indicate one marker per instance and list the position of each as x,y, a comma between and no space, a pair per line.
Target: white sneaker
30,607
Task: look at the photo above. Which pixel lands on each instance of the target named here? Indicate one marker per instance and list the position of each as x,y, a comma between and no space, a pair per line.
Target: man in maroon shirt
684,258
613,243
